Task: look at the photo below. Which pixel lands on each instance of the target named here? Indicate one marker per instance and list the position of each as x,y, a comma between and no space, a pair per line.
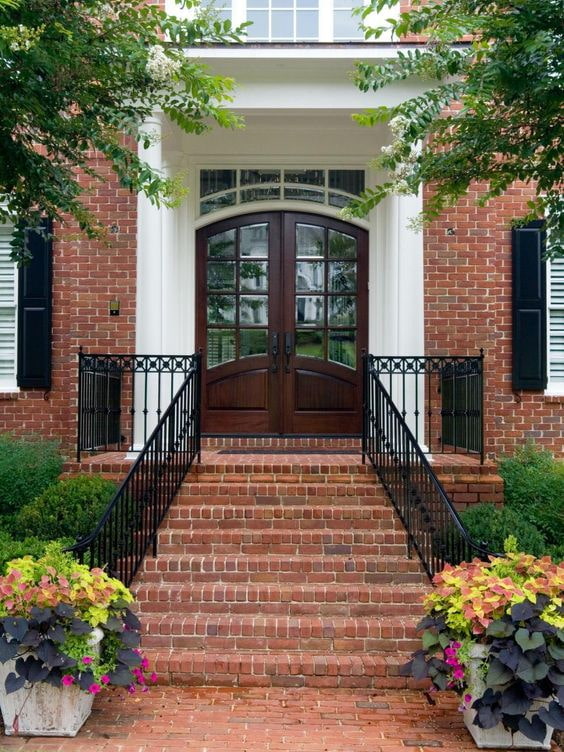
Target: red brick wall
86,276
468,306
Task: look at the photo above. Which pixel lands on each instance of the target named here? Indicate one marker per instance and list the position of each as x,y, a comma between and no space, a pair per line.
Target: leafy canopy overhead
78,76
493,112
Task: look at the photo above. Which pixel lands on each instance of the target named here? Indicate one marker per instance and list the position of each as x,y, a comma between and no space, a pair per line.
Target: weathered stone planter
42,710
497,737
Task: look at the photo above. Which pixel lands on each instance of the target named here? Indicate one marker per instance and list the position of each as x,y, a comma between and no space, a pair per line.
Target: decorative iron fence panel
439,397
130,523
433,526
112,417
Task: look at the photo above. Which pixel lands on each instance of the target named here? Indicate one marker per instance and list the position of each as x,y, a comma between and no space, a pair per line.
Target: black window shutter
34,311
529,307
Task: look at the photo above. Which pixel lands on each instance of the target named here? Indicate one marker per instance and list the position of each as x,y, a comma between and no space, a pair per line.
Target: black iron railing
440,398
433,526
122,397
129,525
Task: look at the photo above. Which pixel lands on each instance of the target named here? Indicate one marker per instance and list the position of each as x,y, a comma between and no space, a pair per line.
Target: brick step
206,494
241,633
284,443
280,669
281,599
373,519
289,473
279,542
293,569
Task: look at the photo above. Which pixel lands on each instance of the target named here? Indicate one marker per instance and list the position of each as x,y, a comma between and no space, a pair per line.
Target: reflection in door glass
253,276
341,245
310,310
253,309
221,275
221,309
342,310
342,347
342,276
254,240
221,346
253,342
309,343
310,240
309,276
222,245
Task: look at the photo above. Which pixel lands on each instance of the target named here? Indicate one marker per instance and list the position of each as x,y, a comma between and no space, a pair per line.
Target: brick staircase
281,569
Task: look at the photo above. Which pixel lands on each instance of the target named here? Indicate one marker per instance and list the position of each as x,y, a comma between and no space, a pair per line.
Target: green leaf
429,640
498,674
529,640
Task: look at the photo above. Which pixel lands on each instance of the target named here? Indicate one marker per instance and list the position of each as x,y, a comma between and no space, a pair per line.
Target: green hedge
69,508
534,505
27,468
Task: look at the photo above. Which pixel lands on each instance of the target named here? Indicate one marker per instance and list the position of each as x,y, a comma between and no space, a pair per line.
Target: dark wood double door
282,319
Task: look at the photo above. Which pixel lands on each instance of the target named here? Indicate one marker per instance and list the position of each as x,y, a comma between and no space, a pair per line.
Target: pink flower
467,699
67,680
131,689
145,663
153,677
94,689
458,674
105,679
87,660
456,645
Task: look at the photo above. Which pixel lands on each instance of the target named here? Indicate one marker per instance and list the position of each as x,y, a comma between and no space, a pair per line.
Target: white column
149,308
149,252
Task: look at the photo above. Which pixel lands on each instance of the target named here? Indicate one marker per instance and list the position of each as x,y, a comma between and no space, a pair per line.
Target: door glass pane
309,343
342,310
254,177
342,347
260,194
253,309
310,310
221,346
221,275
342,276
218,202
310,276
222,245
253,342
221,309
304,194
254,240
253,276
305,177
341,245
214,181
310,240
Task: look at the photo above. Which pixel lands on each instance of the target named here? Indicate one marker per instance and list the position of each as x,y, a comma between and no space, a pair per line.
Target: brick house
259,270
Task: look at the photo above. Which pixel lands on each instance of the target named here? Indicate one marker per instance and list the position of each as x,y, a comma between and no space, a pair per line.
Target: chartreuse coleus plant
514,605
49,609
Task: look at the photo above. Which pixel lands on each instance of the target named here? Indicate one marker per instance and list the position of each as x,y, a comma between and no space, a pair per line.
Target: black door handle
288,346
275,351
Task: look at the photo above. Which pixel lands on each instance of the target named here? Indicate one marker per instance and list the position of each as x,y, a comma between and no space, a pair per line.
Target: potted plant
494,633
66,633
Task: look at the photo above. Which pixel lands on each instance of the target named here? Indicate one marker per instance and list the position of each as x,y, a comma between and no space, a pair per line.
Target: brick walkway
255,720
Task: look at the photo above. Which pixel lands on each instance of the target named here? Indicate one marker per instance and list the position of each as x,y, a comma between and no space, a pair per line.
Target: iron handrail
434,528
131,520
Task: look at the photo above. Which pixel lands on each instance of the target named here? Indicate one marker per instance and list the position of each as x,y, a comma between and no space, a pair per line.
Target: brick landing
176,719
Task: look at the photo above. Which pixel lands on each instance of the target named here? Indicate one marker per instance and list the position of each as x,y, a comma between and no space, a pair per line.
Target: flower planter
497,737
44,710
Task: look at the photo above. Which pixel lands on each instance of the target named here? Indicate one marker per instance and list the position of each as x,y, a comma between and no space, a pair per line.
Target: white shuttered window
556,324
8,299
